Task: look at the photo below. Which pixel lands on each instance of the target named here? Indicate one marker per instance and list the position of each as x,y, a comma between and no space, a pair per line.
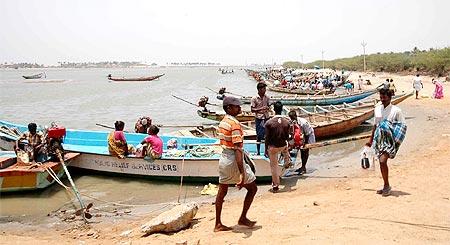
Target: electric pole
302,62
323,61
363,44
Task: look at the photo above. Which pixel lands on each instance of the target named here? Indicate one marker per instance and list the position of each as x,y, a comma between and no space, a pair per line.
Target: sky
236,32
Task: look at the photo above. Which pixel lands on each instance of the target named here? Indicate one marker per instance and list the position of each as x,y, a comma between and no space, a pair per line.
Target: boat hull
298,91
192,170
317,100
20,177
135,79
218,117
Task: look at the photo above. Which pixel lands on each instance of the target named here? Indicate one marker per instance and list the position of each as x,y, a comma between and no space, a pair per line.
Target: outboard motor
54,139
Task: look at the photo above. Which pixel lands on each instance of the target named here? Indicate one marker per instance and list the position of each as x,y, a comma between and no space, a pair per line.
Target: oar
306,146
225,92
336,141
84,214
110,127
176,97
163,126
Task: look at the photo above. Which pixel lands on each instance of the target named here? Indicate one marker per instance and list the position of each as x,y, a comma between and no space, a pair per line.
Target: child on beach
152,145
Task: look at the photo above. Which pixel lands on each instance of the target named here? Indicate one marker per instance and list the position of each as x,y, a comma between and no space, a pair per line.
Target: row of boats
196,151
195,158
300,81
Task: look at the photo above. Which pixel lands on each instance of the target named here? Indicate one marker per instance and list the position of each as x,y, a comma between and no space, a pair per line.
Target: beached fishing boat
36,76
211,132
243,117
17,176
299,91
196,164
317,100
124,79
334,120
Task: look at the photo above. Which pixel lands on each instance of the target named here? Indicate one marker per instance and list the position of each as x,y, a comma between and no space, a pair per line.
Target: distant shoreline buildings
105,64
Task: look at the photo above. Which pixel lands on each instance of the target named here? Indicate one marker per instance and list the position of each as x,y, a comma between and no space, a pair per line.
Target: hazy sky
230,32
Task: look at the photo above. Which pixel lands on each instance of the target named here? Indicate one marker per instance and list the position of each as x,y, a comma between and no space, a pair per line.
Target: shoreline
322,207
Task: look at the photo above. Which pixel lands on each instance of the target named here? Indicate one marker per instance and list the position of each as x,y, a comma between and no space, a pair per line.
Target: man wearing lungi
388,133
232,169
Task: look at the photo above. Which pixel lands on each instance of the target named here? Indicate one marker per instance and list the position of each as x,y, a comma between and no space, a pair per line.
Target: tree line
433,61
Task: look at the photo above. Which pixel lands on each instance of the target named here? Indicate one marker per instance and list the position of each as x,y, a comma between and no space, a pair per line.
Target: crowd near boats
315,94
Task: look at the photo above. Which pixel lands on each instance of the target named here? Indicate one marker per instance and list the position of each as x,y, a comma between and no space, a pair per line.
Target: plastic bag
366,155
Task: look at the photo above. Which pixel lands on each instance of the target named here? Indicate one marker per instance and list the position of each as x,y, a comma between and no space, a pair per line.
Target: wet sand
336,203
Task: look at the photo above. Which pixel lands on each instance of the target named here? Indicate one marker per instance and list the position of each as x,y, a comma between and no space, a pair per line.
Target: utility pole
303,67
323,61
363,44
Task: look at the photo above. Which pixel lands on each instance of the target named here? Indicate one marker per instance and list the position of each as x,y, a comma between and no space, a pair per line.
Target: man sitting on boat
142,125
152,145
117,144
31,143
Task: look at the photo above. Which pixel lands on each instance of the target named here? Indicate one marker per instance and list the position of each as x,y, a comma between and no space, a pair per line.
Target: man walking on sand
276,142
260,105
232,170
417,85
388,133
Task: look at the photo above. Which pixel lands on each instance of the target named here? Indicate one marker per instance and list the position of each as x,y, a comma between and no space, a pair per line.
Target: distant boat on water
124,79
36,76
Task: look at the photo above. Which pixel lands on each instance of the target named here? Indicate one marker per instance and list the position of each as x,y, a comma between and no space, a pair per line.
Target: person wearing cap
260,105
277,135
232,170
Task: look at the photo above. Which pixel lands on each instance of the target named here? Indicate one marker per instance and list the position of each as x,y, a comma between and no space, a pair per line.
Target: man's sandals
386,191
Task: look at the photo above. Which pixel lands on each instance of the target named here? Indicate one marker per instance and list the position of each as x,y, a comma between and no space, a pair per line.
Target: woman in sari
117,144
438,89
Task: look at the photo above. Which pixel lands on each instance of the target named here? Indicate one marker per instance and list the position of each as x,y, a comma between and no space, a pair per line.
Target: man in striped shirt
232,170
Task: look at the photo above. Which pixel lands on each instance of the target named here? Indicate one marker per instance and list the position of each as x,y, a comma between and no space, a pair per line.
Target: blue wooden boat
295,100
197,164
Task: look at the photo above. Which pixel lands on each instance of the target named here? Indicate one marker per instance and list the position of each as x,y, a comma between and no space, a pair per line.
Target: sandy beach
329,209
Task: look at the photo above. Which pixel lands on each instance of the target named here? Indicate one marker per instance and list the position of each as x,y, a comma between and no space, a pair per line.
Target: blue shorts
260,129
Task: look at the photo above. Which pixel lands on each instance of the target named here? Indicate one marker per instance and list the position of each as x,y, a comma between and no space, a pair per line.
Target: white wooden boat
95,156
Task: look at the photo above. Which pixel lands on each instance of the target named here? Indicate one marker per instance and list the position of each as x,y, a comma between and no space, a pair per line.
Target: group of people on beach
438,92
387,135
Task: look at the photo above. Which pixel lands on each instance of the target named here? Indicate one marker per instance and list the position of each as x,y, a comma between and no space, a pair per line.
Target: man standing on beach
360,82
308,138
417,85
387,135
260,105
277,135
232,170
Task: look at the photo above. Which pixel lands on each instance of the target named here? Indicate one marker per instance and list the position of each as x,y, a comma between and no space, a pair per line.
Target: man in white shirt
387,135
417,85
360,82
